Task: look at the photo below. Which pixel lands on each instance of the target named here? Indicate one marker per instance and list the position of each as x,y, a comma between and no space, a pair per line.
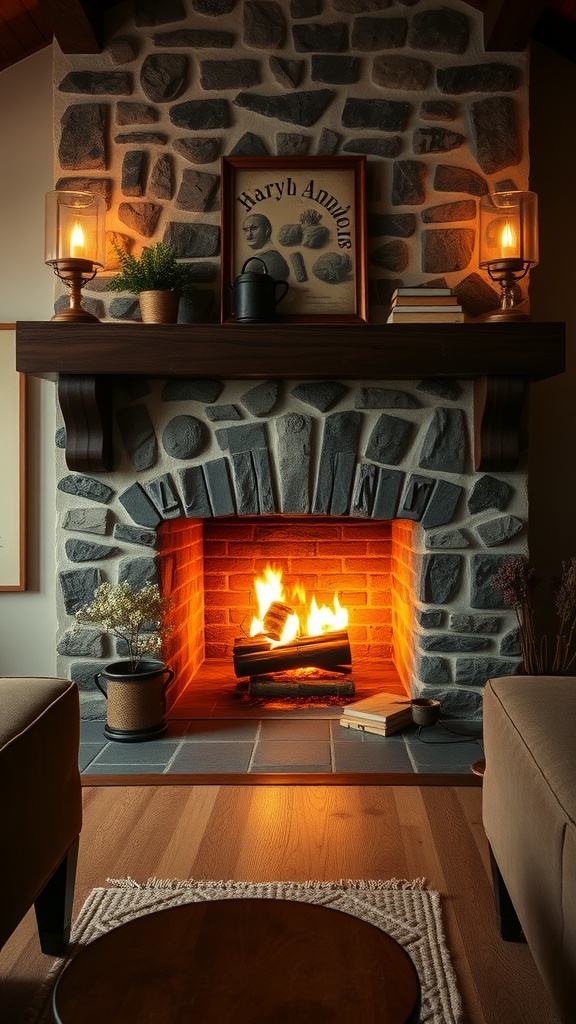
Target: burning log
255,656
276,618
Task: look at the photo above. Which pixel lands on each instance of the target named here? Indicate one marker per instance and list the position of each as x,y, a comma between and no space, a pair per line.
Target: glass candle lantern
508,243
75,244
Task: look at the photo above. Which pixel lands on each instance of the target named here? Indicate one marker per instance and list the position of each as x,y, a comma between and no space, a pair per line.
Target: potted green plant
135,687
156,277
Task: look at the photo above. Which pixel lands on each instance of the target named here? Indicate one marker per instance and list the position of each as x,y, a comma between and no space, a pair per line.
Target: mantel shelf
292,351
501,359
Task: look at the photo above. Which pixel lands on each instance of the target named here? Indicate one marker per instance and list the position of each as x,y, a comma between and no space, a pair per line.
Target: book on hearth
384,713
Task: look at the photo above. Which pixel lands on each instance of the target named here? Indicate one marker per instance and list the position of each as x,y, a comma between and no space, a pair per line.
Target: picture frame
12,465
305,218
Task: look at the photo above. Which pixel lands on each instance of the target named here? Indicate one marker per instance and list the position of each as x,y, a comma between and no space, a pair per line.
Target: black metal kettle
255,294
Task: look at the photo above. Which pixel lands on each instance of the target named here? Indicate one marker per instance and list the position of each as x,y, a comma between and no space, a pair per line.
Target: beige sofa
40,805
529,814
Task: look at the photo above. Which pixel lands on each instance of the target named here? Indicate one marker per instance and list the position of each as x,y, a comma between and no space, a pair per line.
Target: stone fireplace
387,451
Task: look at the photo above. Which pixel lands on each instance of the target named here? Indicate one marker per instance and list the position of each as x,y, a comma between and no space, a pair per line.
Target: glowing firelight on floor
305,622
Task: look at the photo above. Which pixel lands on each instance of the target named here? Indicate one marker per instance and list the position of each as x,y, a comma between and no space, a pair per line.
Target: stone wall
405,82
400,452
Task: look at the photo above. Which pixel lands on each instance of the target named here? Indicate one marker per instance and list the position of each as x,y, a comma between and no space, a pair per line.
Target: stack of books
425,305
383,714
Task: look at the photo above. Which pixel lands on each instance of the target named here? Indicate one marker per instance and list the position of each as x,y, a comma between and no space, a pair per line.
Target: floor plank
259,833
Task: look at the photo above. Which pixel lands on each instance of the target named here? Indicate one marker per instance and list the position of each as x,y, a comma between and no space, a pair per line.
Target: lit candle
77,243
508,242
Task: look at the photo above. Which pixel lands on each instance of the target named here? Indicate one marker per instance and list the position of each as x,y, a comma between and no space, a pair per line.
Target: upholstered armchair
40,805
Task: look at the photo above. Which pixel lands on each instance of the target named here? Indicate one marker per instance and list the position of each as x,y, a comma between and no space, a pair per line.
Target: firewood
324,651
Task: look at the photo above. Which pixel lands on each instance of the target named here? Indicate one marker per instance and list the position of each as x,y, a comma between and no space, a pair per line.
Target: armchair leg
508,924
54,905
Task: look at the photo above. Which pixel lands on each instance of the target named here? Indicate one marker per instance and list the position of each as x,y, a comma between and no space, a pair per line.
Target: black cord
464,738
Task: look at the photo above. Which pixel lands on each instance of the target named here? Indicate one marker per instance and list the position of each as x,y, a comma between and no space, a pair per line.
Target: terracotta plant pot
159,307
135,701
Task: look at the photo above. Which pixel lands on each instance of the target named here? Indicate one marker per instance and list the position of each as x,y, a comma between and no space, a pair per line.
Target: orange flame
310,621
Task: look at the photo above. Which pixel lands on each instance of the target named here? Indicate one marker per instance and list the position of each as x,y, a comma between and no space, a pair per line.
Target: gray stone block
218,413
141,217
436,140
194,494
441,578
83,672
430,618
452,643
123,49
444,447
86,520
137,433
322,395
456,703
433,671
409,183
390,440
133,535
393,256
492,77
163,76
82,643
385,398
402,225
328,143
335,70
388,488
293,433
83,137
245,484
249,145
446,250
477,671
416,497
134,169
195,241
198,151
264,481
197,191
378,33
510,644
465,209
85,551
78,587
474,623
195,39
393,71
495,133
85,487
292,144
447,539
260,400
138,572
437,110
219,488
442,505
336,470
443,30
320,38
489,492
184,437
483,592
161,184
304,108
129,113
97,83
162,492
377,115
264,25
441,388
229,74
244,438
287,72
200,115
499,531
139,506
459,179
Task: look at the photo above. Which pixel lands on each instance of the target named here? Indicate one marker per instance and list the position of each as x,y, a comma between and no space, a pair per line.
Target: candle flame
508,239
77,241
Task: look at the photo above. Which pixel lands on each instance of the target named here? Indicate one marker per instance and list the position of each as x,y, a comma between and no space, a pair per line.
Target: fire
77,241
294,621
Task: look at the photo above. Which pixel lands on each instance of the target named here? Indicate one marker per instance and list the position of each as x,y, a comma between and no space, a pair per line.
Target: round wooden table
247,961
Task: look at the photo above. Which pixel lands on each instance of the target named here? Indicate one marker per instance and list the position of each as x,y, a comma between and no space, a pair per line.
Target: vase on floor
135,700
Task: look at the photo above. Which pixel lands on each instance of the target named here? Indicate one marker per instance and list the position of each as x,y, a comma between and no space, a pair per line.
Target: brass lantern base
74,273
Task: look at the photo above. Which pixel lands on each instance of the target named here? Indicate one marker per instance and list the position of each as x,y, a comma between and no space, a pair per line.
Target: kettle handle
251,260
286,286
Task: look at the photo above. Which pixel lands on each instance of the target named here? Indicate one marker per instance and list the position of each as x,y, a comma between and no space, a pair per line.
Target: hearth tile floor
303,745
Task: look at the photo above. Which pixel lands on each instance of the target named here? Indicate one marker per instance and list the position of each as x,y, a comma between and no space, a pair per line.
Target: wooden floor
304,832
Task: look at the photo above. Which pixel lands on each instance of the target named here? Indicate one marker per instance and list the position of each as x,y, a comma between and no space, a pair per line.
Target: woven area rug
408,911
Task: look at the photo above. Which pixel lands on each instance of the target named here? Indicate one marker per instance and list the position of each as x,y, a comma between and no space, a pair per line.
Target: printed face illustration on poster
305,219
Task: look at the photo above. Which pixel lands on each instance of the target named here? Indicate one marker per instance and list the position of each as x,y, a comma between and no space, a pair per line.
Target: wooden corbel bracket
86,404
498,411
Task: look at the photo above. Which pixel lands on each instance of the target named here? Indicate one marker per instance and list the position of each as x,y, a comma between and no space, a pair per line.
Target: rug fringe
175,884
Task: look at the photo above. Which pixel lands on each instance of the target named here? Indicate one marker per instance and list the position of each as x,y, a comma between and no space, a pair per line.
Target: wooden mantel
502,359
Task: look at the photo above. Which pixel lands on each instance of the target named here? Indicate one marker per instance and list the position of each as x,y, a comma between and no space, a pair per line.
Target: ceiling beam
77,24
508,24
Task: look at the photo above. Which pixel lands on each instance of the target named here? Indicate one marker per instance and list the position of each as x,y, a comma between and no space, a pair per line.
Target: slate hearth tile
446,756
124,769
156,751
88,751
206,757
92,732
222,730
389,755
276,755
299,730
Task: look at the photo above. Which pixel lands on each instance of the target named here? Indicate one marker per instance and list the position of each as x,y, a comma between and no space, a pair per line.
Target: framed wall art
305,219
12,465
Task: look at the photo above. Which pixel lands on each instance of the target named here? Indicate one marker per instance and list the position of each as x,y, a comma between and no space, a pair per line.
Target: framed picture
12,465
305,219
